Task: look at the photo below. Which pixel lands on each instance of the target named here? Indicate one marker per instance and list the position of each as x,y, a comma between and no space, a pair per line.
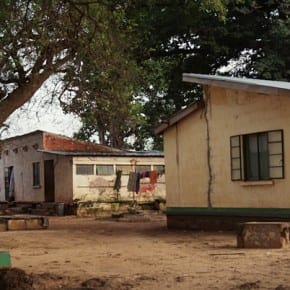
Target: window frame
82,165
160,168
241,171
36,174
259,138
139,168
123,166
105,172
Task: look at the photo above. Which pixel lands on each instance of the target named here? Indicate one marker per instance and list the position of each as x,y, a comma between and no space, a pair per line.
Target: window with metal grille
159,168
36,173
125,168
142,168
85,169
104,169
258,156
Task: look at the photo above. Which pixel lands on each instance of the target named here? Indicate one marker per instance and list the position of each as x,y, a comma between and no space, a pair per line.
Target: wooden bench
263,235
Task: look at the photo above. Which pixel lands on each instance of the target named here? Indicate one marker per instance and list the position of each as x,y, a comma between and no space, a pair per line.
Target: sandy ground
142,255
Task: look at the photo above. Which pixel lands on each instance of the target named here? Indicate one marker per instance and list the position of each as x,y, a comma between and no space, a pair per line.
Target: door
49,181
9,183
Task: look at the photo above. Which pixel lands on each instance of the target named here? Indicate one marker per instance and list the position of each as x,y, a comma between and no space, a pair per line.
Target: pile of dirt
15,279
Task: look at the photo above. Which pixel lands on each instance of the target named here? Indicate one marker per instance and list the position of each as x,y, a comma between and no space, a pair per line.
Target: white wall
94,187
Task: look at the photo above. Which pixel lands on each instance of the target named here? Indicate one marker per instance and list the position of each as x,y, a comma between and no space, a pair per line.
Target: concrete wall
63,177
236,112
100,187
186,162
229,112
21,153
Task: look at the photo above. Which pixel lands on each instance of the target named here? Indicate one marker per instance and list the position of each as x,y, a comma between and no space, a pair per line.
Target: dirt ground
85,253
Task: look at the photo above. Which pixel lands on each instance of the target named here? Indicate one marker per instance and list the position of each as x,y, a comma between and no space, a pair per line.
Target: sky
41,113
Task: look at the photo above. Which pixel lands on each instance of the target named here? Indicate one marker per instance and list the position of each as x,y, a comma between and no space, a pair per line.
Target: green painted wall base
223,211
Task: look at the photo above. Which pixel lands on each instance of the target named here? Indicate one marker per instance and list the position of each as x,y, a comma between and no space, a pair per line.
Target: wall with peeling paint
186,163
234,113
21,151
100,187
187,147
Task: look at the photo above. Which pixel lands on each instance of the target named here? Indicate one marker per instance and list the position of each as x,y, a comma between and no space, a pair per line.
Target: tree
262,28
101,106
172,36
103,101
94,45
41,38
189,36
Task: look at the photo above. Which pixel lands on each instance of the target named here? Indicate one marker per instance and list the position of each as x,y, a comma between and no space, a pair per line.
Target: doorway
9,183
49,181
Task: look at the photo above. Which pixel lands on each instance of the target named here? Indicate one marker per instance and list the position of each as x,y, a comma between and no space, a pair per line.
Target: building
227,157
45,167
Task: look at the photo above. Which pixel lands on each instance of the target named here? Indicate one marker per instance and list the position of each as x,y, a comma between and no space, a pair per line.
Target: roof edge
104,153
178,116
245,84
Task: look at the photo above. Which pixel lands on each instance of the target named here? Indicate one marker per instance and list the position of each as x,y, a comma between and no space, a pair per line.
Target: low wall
107,209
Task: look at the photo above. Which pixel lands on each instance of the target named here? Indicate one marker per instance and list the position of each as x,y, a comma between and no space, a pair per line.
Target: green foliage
42,38
121,61
202,37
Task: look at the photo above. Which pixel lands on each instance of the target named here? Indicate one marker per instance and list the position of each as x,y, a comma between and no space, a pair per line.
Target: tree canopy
121,61
41,38
186,36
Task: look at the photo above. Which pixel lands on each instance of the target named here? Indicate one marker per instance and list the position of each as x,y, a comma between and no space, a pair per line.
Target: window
85,169
142,168
104,169
258,156
159,168
36,173
126,169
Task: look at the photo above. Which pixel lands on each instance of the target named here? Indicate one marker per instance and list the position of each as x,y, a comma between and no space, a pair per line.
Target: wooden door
49,181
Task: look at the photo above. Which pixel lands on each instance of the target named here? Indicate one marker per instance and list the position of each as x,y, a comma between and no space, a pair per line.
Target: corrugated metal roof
116,153
252,85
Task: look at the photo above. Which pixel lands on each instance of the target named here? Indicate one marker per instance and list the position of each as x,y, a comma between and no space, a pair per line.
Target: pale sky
41,113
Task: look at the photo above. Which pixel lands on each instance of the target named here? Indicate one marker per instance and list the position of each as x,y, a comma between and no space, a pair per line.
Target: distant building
45,167
227,157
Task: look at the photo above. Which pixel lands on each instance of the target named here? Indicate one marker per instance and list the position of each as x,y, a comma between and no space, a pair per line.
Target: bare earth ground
97,254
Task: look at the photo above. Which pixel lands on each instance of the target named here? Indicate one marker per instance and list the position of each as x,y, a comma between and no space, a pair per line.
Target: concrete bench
23,222
263,235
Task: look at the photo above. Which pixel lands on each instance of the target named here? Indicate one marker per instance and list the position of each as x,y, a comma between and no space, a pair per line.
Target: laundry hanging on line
117,184
134,179
153,175
134,182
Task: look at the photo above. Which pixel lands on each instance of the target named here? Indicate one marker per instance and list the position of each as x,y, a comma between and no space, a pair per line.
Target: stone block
3,225
263,235
16,225
36,224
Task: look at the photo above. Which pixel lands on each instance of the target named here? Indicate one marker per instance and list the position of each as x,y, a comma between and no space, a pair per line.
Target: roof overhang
178,116
276,88
107,154
251,85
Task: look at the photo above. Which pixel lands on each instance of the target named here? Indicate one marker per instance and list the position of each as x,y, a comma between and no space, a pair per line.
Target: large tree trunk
21,95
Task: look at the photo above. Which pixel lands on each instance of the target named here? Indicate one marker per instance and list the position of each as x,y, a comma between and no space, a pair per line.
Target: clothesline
135,177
